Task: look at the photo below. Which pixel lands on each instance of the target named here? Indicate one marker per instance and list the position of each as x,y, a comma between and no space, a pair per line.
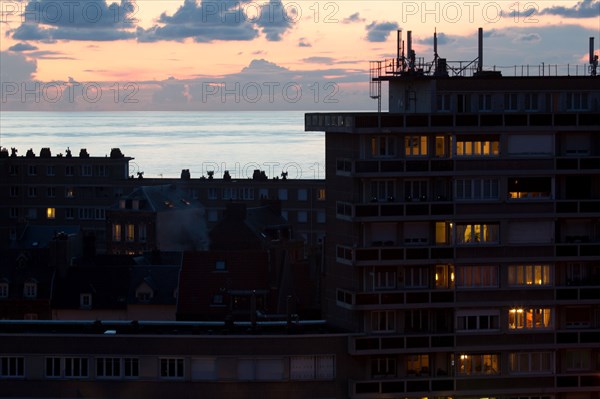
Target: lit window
130,232
479,364
474,148
417,365
51,213
477,233
415,145
529,187
529,318
321,194
116,232
525,275
70,192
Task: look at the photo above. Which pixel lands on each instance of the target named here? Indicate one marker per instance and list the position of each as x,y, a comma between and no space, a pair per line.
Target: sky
87,55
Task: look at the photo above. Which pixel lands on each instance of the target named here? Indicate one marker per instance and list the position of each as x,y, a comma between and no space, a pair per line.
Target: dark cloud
19,47
16,67
221,20
379,31
583,9
353,18
303,43
442,39
319,60
527,38
93,20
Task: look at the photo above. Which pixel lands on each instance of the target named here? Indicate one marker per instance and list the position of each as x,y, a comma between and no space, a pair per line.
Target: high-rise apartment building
463,235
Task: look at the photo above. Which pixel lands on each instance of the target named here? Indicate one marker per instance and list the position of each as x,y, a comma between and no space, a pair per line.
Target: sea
164,143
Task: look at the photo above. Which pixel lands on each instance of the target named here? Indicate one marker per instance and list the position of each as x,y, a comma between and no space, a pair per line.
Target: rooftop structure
463,234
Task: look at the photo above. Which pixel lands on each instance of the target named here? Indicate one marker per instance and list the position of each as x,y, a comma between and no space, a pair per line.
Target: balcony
582,162
577,207
363,122
392,299
382,211
373,345
391,255
393,387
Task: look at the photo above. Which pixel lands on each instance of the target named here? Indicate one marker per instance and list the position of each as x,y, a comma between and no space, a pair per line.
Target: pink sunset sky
272,54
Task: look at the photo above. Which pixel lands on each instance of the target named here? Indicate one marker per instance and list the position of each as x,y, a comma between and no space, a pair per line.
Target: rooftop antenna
480,55
409,51
593,58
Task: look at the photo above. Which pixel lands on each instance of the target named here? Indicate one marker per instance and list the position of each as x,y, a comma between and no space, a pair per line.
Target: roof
159,198
162,279
109,287
39,236
247,229
200,279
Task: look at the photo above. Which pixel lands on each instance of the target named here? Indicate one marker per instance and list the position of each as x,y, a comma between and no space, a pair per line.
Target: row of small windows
50,213
131,232
309,367
448,276
486,102
419,146
518,318
386,190
29,289
248,193
526,362
55,191
69,170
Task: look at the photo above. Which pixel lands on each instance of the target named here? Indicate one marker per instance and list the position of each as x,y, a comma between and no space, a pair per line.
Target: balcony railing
359,121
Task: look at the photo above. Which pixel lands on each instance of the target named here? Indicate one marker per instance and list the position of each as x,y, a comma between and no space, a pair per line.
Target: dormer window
3,289
85,301
220,265
144,293
30,289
